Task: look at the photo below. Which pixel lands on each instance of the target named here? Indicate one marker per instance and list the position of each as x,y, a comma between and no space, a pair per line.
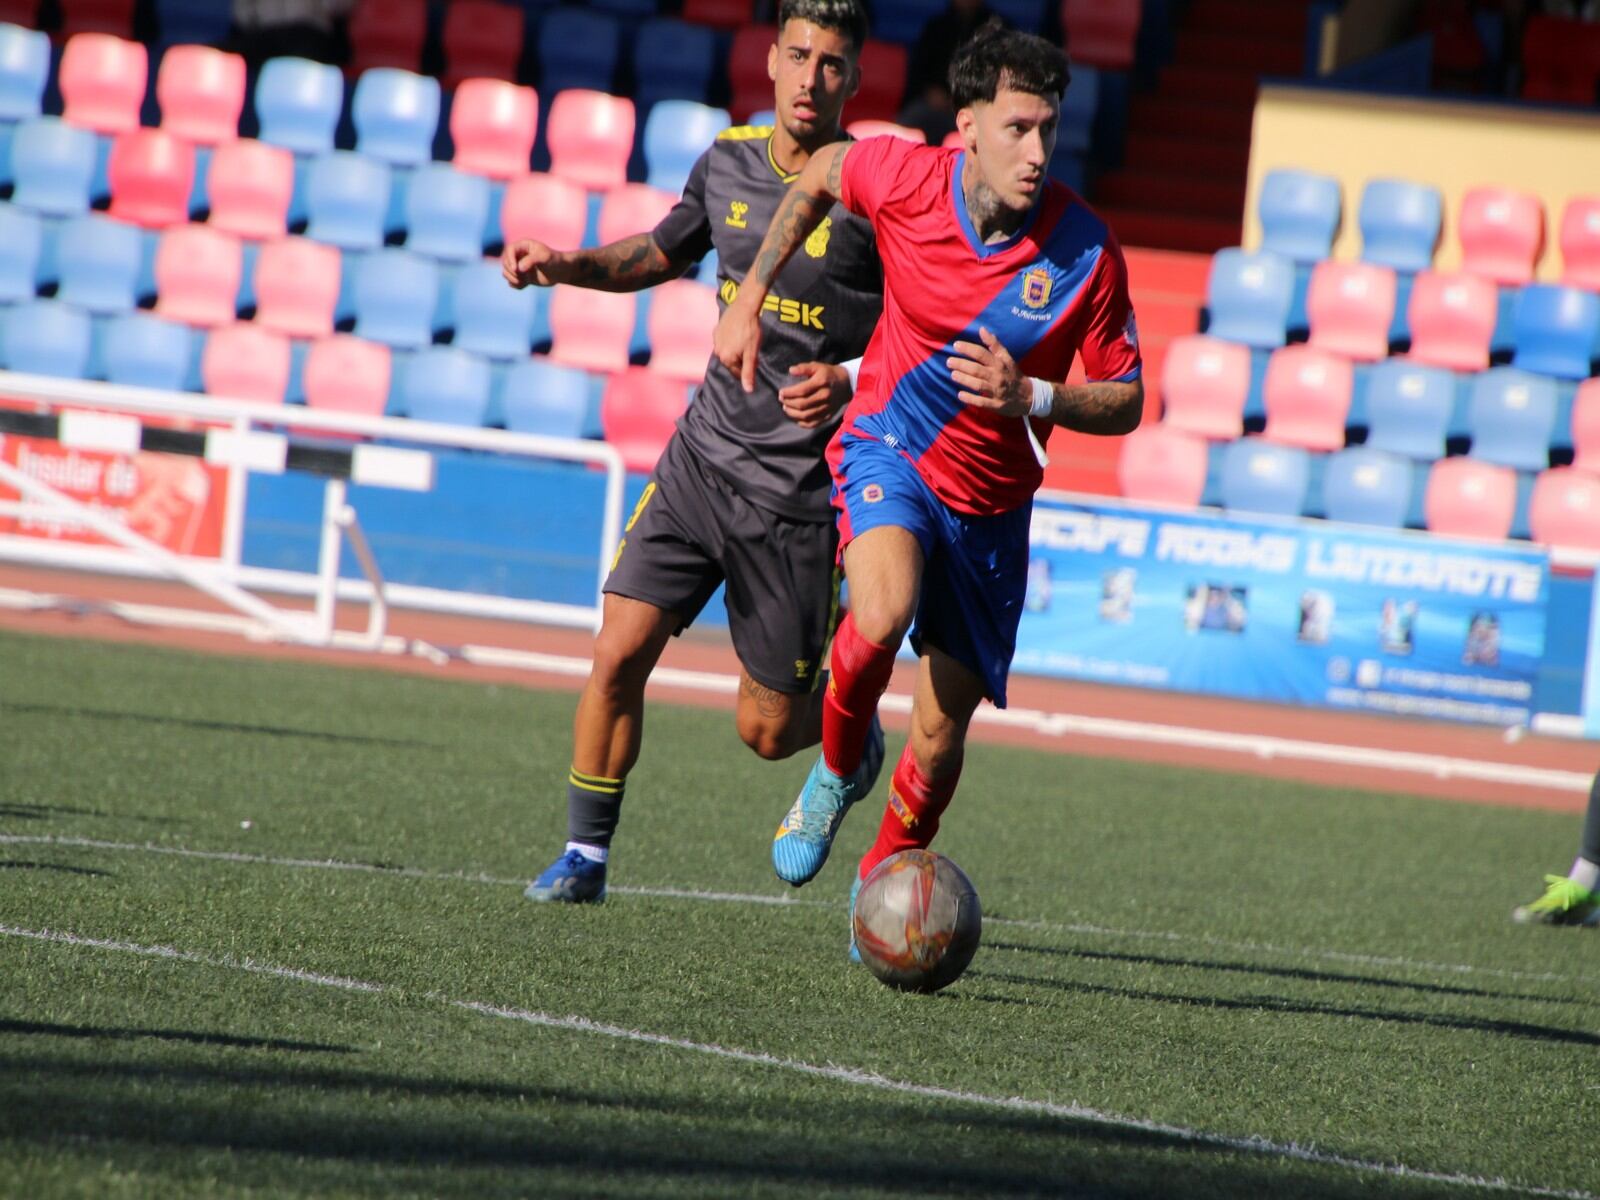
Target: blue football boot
855,890
571,879
803,840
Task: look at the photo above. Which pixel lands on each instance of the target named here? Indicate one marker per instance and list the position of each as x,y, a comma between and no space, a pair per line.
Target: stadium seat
1586,426
1580,243
396,114
747,70
250,186
672,60
348,375
102,79
53,164
47,337
720,14
1259,476
198,21
1400,223
396,293
681,321
1307,395
98,261
1452,317
1161,464
1565,509
297,287
1469,498
492,124
152,175
24,71
1511,416
21,249
860,130
578,48
539,396
347,199
546,207
198,273
676,134
632,208
883,83
387,34
201,93
297,103
1299,213
1351,308
1363,486
96,16
1502,234
1079,107
902,20
590,329
1205,382
139,349
639,413
1409,408
246,361
1102,33
490,318
446,210
1560,60
1249,294
590,135
482,39
445,384
637,10
1556,330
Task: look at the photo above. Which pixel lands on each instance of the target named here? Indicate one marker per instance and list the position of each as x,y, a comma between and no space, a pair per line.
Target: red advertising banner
173,500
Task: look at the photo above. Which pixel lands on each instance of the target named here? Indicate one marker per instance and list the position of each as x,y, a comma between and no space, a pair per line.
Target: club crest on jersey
817,243
872,493
1036,286
737,211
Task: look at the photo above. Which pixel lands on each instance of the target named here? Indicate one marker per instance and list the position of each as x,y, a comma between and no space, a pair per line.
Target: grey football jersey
822,308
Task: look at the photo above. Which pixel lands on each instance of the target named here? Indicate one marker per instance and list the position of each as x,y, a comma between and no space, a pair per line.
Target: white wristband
1044,398
852,369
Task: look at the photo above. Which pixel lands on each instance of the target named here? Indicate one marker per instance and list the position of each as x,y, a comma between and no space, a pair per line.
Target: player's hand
737,340
989,377
819,391
529,261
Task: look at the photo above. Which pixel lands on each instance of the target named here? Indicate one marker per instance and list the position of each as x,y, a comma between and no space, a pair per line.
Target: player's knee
620,664
881,620
771,739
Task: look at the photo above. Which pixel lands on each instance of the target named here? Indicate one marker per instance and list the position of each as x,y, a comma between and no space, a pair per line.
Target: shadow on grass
114,1033
101,714
18,865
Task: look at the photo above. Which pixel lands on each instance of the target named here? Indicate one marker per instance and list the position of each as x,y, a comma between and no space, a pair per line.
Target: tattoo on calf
769,703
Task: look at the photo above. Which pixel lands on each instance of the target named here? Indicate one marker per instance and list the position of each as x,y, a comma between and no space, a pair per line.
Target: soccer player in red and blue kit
994,277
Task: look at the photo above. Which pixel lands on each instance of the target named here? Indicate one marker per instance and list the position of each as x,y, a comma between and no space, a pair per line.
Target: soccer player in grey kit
1573,898
741,493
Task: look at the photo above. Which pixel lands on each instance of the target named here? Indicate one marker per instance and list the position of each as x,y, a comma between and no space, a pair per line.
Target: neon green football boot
1564,903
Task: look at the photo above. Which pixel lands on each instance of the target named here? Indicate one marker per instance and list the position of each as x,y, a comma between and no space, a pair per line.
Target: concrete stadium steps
1168,192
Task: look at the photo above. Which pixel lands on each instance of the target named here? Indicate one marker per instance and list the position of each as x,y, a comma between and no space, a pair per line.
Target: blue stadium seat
21,247
347,200
1409,408
1363,486
676,133
1026,15
24,71
1249,295
446,211
764,116
635,9
143,350
902,20
1556,330
47,337
53,165
99,263
672,60
490,318
1511,416
445,384
197,22
396,115
578,48
1262,477
539,396
1299,213
297,103
1078,109
395,294
1400,223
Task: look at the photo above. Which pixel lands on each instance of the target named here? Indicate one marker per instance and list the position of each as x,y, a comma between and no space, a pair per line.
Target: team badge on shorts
1036,286
872,493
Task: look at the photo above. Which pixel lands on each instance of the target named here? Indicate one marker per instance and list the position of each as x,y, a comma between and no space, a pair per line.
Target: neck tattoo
992,220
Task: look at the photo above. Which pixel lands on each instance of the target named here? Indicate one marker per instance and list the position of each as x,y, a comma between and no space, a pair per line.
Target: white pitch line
854,1077
781,901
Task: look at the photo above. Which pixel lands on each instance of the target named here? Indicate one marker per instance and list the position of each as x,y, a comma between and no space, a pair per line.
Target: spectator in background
928,105
302,28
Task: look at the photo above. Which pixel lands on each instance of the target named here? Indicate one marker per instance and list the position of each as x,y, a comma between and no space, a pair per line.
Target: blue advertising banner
1307,612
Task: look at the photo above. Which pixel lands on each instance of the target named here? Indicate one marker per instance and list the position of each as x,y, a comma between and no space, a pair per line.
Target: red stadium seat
867,129
387,33
20,12
1561,60
1586,427
747,69
1163,465
639,412
96,16
683,316
492,124
720,14
1101,33
151,174
545,207
1351,307
348,374
1452,317
883,83
590,135
1307,395
1205,382
482,39
1502,234
632,208
297,287
591,329
245,361
201,92
250,185
102,80
198,270
1580,243
1565,509
1468,498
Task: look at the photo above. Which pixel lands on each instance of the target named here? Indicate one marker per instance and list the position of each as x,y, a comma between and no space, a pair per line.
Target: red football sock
860,673
911,817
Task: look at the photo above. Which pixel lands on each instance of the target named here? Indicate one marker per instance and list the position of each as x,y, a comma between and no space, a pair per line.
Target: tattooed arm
629,265
738,337
990,378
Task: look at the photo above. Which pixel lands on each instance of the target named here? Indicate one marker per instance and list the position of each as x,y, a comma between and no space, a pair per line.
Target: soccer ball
917,921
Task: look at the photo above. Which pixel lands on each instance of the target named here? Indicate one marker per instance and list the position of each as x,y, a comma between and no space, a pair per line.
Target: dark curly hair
848,17
996,57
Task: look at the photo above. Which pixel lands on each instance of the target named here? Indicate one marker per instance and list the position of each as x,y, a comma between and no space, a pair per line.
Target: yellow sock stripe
595,783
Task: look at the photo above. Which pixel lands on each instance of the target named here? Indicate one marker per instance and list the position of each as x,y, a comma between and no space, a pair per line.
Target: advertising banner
1307,612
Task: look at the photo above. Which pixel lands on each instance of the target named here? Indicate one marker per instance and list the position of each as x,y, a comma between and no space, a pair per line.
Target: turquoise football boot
803,840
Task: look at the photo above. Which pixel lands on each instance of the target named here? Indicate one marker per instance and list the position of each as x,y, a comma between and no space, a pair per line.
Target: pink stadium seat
1452,317
387,33
720,14
868,128
348,374
682,317
1205,382
1565,509
297,287
96,16
639,412
1101,33
1586,427
590,135
198,270
493,123
1307,395
1351,307
1502,234
482,39
747,69
245,361
1580,243
883,83
1163,465
250,185
151,174
545,207
632,208
590,329
1468,498
102,80
201,92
